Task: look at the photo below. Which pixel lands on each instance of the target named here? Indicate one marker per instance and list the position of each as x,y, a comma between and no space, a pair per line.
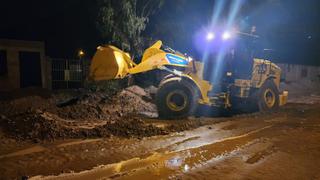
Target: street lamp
81,53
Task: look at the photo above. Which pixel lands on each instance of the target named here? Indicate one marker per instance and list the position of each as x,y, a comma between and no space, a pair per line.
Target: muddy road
278,145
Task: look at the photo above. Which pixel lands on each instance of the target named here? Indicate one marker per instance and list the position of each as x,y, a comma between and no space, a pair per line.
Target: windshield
170,50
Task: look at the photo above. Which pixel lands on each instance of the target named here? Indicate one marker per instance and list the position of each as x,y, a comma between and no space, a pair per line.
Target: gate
68,73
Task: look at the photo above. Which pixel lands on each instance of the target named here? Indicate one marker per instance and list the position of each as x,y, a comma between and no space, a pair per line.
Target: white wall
294,72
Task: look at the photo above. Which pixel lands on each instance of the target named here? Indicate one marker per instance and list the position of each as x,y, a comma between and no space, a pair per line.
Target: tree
123,21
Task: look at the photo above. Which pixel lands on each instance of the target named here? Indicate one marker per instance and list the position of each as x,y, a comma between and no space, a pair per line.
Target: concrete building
23,64
295,72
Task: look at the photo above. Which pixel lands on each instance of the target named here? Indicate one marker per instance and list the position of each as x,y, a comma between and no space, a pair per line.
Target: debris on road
93,114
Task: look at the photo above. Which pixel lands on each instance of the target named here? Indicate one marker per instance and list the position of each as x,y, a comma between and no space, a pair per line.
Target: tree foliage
123,21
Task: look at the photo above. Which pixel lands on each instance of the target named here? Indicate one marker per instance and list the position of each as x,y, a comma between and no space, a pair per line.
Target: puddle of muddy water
41,148
164,165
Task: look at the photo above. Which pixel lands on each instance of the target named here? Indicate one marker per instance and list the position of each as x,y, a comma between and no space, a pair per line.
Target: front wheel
176,99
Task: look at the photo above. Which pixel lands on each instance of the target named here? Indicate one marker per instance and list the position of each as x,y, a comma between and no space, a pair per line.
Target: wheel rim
269,98
177,100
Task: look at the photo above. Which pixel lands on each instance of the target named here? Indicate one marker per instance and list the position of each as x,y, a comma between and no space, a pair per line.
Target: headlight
226,35
210,36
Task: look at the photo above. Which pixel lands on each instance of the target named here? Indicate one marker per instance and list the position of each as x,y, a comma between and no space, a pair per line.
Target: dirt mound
39,126
93,114
89,115
24,104
87,106
33,125
132,100
97,105
90,105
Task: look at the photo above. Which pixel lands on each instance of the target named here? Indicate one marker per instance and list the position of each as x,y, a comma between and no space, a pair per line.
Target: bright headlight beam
210,36
234,9
226,35
218,7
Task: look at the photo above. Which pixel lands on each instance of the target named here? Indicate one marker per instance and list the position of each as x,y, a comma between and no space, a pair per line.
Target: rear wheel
268,96
176,99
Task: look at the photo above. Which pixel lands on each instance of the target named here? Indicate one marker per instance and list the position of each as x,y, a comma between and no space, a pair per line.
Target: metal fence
68,73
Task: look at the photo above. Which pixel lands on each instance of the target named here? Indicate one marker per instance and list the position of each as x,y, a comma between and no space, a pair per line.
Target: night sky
290,27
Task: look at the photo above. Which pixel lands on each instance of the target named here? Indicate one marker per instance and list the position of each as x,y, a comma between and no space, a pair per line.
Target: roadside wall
294,72
300,80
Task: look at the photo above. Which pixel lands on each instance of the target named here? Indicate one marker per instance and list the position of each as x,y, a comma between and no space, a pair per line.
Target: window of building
3,63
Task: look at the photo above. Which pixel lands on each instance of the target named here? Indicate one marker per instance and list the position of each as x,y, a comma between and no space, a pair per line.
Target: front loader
184,88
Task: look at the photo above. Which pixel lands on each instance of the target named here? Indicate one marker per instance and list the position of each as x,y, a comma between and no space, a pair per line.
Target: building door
30,69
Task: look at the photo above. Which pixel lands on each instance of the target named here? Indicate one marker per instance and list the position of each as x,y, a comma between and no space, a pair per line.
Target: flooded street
278,145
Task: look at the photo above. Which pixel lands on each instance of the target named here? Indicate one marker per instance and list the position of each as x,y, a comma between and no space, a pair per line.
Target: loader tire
176,99
268,96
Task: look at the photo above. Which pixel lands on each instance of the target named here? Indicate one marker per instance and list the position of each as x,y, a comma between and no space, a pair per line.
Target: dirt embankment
90,115
87,115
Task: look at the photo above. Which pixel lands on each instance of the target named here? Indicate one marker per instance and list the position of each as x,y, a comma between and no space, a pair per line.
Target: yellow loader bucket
109,62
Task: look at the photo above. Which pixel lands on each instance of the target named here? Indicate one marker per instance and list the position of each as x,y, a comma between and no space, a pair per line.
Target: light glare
226,36
210,36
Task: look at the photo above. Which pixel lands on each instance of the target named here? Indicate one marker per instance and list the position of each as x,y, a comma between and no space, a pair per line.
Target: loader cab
237,60
242,57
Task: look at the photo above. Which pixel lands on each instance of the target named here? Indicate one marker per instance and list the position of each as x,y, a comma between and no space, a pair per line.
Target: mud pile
132,100
39,126
33,125
92,114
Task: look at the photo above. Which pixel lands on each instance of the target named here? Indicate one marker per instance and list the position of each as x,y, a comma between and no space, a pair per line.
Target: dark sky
64,25
290,27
